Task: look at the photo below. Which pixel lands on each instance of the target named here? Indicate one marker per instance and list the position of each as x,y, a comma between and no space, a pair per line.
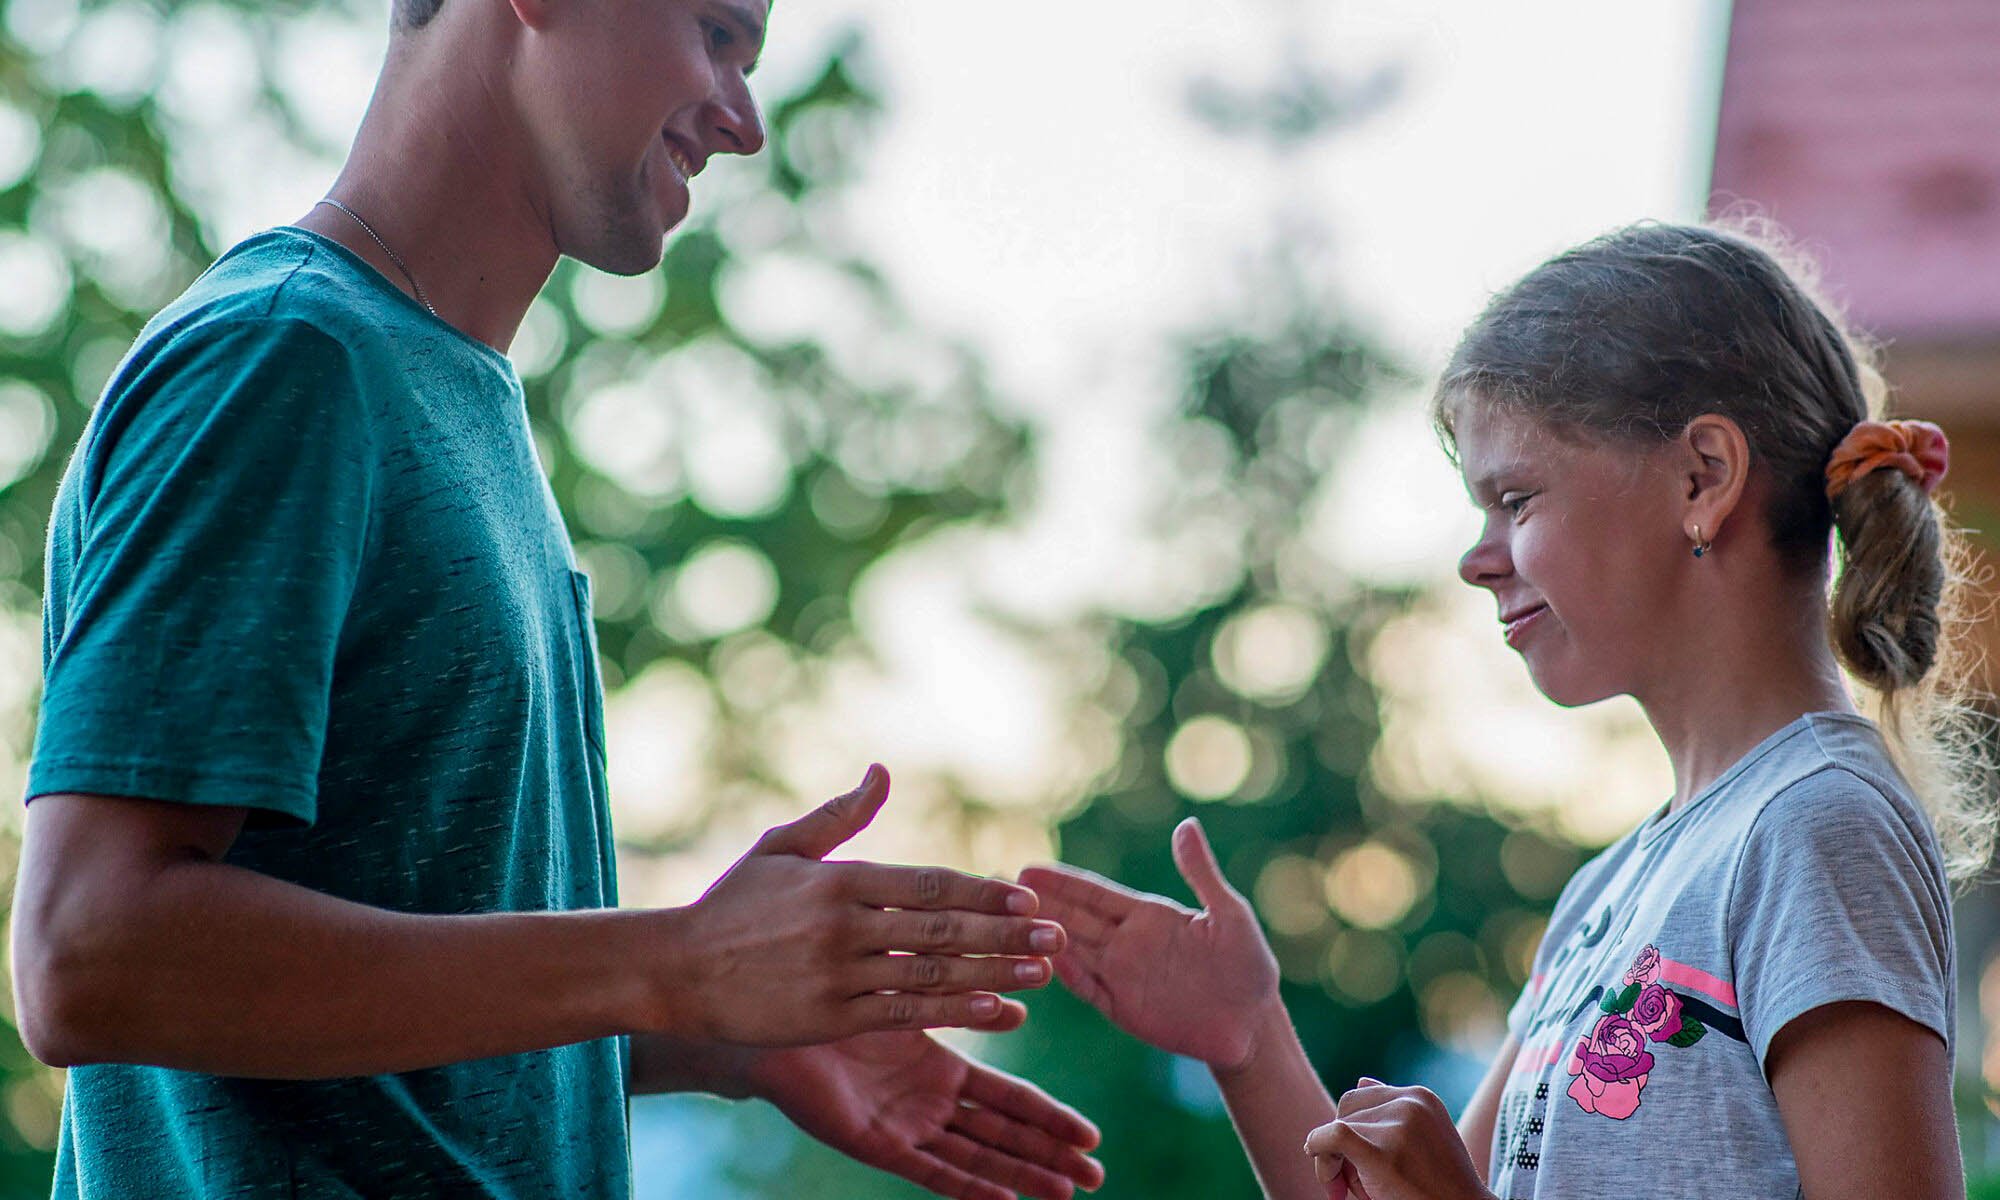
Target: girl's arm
1203,984
1475,1124
1275,1099
1865,1095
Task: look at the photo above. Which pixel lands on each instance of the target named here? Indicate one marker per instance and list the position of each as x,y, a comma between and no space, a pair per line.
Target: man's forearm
1275,1099
214,968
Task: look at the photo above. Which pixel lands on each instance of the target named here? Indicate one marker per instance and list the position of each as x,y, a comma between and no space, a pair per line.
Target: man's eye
719,37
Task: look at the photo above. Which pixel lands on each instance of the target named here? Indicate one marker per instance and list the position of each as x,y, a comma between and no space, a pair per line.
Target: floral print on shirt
1611,1063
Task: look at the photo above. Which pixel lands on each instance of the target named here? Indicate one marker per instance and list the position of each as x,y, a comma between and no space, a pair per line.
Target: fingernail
985,1006
1045,939
1020,903
1031,972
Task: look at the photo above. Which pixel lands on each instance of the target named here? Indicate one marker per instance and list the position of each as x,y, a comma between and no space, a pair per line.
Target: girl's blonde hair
1634,334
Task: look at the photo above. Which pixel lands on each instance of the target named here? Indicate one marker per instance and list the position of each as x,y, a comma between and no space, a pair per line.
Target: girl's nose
1485,564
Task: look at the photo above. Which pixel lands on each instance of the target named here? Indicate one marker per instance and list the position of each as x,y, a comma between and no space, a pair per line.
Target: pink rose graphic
1610,1068
1657,1012
1645,969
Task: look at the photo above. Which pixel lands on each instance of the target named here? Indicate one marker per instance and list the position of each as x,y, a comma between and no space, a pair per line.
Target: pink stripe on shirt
1696,979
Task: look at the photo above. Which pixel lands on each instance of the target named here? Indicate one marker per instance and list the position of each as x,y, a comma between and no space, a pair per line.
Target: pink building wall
1870,130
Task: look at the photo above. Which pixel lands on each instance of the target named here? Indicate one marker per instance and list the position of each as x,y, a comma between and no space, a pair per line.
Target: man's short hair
414,14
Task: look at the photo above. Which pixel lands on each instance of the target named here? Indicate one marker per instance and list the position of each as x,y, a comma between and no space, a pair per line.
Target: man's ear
1714,470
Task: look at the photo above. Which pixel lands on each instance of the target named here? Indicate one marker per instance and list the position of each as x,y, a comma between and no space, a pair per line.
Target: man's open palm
912,1106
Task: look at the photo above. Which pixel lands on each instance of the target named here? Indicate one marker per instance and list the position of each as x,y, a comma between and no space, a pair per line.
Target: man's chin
632,255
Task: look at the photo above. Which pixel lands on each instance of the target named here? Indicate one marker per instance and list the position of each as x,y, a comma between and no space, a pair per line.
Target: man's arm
135,942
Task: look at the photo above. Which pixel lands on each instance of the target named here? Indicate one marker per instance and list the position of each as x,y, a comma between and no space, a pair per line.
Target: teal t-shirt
304,560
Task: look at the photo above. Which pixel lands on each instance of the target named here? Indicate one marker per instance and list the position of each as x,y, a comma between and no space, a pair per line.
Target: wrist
1269,1027
667,998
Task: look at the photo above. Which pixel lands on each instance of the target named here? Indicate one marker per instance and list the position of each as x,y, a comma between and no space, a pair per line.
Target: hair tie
1916,448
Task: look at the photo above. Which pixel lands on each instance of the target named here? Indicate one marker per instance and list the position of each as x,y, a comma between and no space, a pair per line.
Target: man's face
626,101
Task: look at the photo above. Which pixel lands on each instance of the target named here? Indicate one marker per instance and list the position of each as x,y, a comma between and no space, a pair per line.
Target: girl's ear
1714,469
532,13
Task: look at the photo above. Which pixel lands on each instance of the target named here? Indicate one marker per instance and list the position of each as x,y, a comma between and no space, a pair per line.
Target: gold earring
1700,547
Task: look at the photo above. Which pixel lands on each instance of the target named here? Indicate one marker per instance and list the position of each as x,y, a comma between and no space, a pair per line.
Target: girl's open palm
1189,982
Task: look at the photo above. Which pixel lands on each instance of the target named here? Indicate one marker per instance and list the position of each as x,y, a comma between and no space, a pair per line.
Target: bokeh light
1209,758
1372,885
725,585
1271,654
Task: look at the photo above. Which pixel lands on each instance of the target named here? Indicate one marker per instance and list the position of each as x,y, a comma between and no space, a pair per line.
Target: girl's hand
1193,983
1394,1143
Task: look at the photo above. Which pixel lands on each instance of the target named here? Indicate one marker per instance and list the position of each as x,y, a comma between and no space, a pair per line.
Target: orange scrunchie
1916,448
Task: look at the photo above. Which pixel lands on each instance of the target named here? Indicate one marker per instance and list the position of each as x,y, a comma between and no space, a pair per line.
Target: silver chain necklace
394,257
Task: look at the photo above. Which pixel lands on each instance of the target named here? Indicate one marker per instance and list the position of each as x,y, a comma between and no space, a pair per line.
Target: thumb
821,831
1196,860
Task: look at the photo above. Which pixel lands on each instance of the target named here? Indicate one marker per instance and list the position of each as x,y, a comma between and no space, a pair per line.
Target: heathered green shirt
304,560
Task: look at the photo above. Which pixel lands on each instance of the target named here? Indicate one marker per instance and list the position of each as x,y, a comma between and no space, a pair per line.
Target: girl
1751,994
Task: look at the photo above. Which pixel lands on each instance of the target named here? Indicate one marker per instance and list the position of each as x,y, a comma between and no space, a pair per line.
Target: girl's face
1581,549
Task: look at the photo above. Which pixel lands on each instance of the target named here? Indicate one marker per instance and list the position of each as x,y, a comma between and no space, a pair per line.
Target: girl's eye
1515,502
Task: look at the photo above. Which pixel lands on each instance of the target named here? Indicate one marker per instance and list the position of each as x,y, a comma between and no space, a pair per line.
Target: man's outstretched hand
786,949
909,1105
1194,983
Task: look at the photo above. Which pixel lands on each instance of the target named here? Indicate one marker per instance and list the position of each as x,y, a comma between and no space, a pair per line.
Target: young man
317,828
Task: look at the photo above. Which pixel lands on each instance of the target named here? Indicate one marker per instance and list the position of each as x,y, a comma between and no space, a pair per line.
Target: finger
952,932
1196,860
941,974
1059,884
820,831
1368,1095
1349,1142
1330,1140
1084,926
997,1167
1028,1144
932,888
1012,1015
1332,1175
1024,1102
933,1174
1363,1097
1351,1181
1079,974
910,1010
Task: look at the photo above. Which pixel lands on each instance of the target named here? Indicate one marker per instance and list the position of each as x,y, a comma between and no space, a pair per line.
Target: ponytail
1903,624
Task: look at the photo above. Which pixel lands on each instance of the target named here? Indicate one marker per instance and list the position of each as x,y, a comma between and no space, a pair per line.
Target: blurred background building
1042,415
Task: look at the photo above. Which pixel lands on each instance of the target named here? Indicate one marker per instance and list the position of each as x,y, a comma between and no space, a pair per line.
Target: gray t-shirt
1804,876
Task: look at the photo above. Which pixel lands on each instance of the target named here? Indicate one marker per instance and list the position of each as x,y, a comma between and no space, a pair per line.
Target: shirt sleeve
1840,896
216,523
